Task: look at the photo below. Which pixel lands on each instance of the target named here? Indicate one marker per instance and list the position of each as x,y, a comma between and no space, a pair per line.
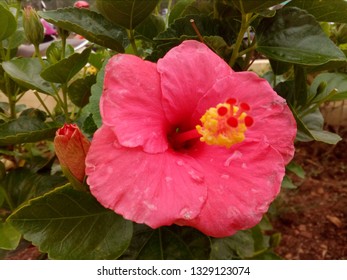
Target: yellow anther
224,125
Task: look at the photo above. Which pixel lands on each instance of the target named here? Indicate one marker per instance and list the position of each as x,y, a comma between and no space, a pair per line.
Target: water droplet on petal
235,155
225,176
196,177
150,206
168,179
186,214
180,162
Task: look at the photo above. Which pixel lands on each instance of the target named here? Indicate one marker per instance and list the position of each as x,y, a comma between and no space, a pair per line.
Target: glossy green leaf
126,13
294,36
182,29
68,224
15,40
255,5
333,81
167,243
237,246
8,23
89,126
26,130
296,169
91,25
22,184
55,50
324,10
79,90
151,27
26,72
64,70
9,236
18,37
310,127
94,100
180,9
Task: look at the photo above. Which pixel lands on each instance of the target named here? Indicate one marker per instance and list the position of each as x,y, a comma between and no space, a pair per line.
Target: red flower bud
71,148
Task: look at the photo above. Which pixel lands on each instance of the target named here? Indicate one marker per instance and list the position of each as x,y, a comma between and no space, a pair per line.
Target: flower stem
238,43
132,41
43,104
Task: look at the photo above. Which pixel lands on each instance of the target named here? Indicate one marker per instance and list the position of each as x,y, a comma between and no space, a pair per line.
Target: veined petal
187,73
242,182
131,103
273,120
155,189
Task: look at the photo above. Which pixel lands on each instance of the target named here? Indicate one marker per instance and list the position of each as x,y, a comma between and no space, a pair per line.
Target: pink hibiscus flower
188,141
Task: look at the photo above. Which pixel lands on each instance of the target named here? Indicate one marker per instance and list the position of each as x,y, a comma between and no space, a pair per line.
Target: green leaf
8,24
55,50
89,125
91,25
237,246
64,70
2,175
79,90
180,9
9,236
15,40
26,72
287,183
296,169
18,37
310,127
151,27
167,243
22,184
279,67
324,10
294,36
26,130
68,224
182,29
255,5
333,81
300,86
126,13
93,106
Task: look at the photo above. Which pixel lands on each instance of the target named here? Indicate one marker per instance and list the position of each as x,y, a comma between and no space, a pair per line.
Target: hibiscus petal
155,189
273,120
242,182
131,103
187,73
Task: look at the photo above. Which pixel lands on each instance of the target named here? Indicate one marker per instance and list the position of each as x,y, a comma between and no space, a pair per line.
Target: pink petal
187,73
131,103
242,182
155,189
273,120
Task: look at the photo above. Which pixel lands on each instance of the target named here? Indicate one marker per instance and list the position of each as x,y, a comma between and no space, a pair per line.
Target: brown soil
313,218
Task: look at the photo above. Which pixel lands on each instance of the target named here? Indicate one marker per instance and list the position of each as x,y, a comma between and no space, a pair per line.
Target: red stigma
248,121
231,101
233,122
245,107
222,111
